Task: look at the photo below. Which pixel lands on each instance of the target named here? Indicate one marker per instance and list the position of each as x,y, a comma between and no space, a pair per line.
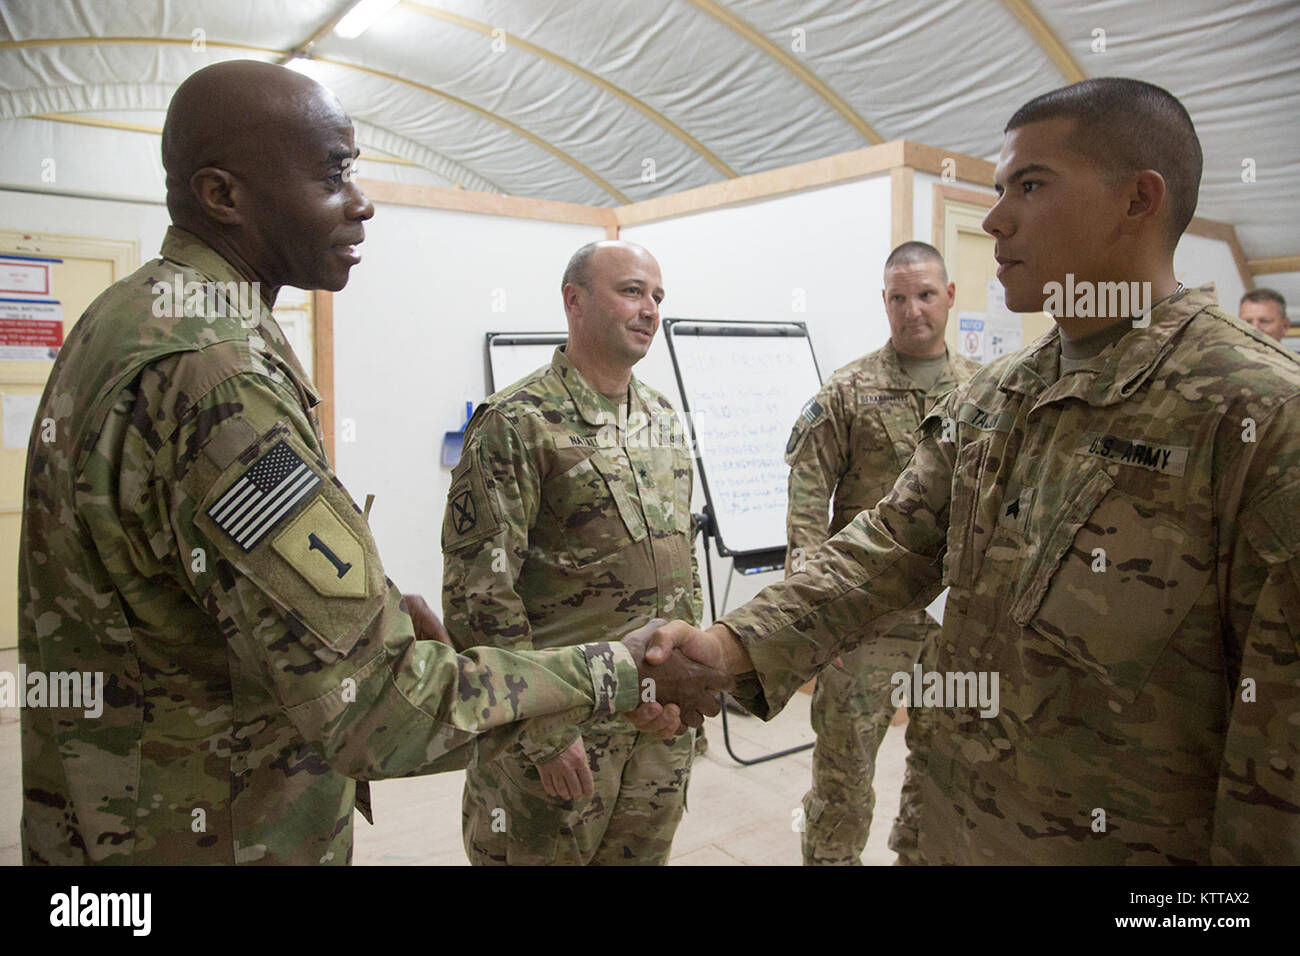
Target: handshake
682,672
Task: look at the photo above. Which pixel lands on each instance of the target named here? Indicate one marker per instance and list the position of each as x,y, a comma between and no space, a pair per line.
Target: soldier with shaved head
186,540
1113,508
568,518
845,452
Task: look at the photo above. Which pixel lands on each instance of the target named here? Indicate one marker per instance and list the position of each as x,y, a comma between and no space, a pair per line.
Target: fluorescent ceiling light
359,19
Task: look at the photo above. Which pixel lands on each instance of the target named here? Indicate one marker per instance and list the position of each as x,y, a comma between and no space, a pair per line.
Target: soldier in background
186,541
1265,309
1114,507
580,479
850,443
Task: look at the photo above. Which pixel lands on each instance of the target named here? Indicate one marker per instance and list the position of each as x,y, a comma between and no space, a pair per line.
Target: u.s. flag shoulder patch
266,493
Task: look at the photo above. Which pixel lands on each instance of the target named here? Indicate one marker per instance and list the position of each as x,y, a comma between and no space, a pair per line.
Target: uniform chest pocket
596,509
898,422
1114,622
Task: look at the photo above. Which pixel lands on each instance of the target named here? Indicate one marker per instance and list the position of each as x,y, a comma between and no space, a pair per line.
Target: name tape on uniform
1166,459
977,417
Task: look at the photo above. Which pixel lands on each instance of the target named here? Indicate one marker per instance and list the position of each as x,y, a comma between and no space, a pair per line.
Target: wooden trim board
322,373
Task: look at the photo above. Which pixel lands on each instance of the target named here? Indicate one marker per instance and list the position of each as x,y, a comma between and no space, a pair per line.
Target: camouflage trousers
851,712
640,783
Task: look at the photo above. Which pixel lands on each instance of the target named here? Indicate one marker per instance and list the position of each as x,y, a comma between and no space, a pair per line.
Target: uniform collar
892,376
188,250
1123,367
594,407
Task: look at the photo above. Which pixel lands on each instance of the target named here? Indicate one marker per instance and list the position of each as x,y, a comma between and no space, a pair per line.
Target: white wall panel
409,352
750,263
1199,260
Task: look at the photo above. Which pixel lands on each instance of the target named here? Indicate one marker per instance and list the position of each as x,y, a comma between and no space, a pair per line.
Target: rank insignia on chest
264,495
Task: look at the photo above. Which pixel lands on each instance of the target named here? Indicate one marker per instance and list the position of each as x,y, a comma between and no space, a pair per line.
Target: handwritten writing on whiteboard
744,393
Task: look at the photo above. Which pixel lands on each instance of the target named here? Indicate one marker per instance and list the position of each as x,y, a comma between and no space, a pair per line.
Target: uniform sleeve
1257,811
887,560
817,454
492,505
274,548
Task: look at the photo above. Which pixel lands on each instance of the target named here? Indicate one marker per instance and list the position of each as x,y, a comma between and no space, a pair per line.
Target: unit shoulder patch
324,550
470,516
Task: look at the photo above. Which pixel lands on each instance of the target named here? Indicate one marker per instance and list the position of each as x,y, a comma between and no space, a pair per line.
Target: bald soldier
187,546
569,517
1265,309
845,451
1114,507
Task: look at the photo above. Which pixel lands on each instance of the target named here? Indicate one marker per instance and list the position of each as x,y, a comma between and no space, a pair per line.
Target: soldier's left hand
428,626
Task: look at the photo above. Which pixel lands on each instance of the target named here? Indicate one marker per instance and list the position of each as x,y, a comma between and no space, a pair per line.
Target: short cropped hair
1124,126
1265,295
578,271
910,253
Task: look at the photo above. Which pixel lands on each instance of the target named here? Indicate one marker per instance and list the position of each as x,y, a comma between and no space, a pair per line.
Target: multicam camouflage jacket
185,536
1123,548
567,520
852,440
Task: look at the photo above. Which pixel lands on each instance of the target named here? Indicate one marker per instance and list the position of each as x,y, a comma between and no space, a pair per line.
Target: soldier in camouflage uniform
850,443
185,536
569,517
1114,507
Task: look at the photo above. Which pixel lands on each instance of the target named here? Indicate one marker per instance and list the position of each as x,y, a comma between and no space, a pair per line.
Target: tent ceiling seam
221,44
814,82
596,80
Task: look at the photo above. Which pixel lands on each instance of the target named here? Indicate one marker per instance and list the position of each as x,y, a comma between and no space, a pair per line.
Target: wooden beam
611,232
1224,232
844,167
1046,38
946,162
490,204
900,205
1274,264
322,360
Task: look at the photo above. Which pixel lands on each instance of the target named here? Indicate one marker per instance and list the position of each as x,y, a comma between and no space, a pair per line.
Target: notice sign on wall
26,276
972,335
30,331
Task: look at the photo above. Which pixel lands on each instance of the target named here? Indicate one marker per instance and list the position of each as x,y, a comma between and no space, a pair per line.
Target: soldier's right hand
692,685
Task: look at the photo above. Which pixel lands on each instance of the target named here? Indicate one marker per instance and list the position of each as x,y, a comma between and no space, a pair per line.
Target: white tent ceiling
583,92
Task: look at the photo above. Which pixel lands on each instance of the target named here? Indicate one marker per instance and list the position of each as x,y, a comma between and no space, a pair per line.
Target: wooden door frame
322,360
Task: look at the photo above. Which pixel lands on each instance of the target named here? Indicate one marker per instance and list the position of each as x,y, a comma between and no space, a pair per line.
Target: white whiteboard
744,384
512,355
